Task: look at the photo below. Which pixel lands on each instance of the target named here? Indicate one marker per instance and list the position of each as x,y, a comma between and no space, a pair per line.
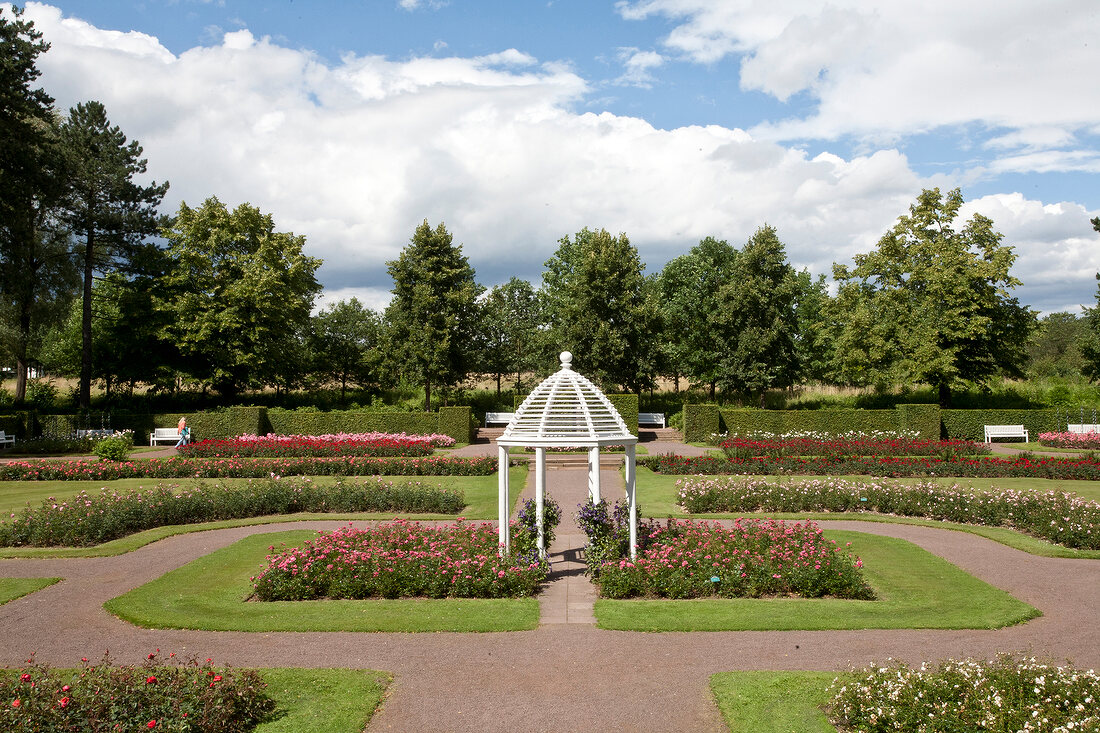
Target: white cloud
637,65
355,155
894,68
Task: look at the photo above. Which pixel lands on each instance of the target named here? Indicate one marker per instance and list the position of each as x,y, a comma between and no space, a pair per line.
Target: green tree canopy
108,212
931,303
345,343
431,320
36,268
596,307
238,295
758,307
508,332
695,339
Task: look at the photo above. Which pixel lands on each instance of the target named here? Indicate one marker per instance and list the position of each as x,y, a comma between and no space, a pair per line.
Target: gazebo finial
566,360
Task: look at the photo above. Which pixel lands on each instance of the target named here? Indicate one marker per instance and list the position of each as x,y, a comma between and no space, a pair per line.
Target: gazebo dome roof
566,410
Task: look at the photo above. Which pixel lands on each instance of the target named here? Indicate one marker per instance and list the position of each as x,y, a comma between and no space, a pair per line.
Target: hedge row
929,421
455,422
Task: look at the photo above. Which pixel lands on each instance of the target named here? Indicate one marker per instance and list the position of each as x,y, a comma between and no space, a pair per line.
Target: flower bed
1084,469
317,446
848,446
404,559
80,470
155,696
1007,694
89,519
1059,517
1076,441
755,557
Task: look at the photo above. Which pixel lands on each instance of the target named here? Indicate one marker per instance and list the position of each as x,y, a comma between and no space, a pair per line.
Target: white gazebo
565,410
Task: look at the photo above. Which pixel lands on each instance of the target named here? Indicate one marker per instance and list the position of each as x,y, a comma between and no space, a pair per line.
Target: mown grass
914,590
323,700
773,702
480,491
12,588
210,594
657,497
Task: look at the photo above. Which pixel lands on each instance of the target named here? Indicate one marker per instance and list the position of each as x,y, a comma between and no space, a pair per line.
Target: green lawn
480,491
914,589
657,498
12,588
773,702
209,594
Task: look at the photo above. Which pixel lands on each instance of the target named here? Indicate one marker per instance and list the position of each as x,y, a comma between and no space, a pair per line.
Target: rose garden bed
373,445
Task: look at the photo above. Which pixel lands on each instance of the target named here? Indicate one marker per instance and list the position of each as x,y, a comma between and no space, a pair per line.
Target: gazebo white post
594,474
502,499
630,499
540,491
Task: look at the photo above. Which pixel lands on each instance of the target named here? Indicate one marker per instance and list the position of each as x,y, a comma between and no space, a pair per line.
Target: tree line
96,284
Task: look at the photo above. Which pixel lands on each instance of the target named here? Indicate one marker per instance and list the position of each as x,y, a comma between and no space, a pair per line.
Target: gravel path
567,675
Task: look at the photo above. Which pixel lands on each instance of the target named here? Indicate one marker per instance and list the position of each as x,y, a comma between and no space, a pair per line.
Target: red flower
151,724
217,678
16,703
150,680
24,677
63,702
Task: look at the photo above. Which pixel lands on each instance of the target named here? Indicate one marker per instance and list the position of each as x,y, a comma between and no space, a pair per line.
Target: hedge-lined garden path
562,676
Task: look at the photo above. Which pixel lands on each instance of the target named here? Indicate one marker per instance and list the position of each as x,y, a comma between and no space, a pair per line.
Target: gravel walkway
567,675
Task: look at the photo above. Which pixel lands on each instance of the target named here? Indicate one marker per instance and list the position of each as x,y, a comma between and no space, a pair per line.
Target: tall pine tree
110,215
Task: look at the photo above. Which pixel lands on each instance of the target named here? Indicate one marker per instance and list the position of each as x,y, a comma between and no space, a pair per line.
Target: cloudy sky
517,123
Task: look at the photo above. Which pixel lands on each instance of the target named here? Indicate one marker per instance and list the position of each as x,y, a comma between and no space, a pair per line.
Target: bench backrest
1083,428
1005,429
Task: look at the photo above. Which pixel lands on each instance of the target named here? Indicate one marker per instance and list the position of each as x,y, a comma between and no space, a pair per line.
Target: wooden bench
498,418
651,419
1083,428
6,441
164,435
1005,431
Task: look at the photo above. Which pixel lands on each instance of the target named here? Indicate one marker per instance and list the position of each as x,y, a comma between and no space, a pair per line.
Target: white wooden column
540,493
631,500
594,474
502,499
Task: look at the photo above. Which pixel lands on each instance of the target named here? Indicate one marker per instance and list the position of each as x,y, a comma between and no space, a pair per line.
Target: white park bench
6,440
651,419
164,435
1083,428
498,418
1005,431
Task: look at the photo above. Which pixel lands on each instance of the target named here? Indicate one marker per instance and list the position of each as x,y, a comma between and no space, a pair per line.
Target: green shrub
701,422
115,448
102,696
456,422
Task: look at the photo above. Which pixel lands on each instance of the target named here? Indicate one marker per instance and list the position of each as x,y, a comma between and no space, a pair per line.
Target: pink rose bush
1075,441
404,559
297,446
84,470
751,558
1022,466
92,518
1060,517
851,445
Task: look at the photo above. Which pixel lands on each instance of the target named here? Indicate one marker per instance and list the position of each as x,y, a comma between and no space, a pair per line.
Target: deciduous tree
345,343
238,293
432,317
932,303
508,333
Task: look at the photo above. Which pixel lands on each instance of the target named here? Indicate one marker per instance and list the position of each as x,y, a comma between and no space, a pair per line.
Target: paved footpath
567,675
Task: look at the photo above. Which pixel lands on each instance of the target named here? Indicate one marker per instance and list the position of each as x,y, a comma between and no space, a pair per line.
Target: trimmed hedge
457,423
970,424
20,424
701,422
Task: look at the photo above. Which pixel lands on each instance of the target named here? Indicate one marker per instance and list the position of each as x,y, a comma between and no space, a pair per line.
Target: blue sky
517,123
